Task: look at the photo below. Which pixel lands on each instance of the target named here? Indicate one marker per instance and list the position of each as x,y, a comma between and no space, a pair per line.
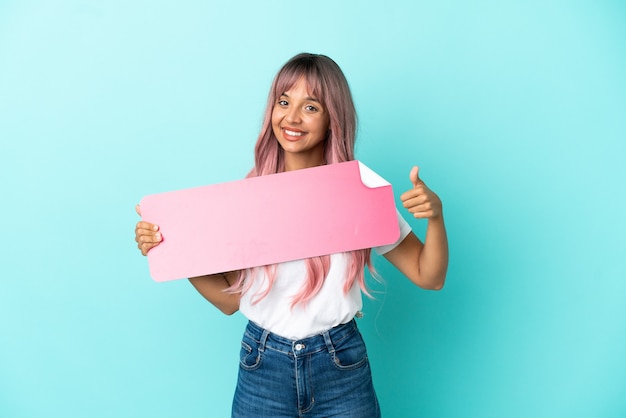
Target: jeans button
299,347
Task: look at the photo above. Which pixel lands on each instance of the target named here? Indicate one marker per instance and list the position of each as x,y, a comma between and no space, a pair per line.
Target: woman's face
300,124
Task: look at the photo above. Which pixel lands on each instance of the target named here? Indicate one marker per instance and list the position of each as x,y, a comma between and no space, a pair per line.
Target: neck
295,162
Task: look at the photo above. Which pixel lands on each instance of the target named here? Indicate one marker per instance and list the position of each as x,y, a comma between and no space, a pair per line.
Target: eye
311,108
282,102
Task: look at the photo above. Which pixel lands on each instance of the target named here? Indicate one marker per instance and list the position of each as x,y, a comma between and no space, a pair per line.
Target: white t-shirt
327,309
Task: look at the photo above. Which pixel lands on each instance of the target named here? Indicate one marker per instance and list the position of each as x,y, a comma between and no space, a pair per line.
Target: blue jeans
327,375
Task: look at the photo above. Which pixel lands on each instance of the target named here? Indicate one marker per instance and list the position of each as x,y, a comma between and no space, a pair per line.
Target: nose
293,115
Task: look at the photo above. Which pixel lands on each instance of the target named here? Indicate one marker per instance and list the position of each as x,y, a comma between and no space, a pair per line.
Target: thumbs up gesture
420,200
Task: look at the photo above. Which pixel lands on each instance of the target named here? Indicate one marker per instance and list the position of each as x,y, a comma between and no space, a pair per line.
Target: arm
212,287
425,264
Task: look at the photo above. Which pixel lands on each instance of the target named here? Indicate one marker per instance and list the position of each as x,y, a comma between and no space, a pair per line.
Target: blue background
514,110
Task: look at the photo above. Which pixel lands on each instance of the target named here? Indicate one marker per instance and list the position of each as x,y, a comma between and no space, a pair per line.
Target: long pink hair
328,84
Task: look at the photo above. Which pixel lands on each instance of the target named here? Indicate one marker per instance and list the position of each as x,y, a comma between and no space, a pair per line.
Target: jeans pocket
249,355
350,353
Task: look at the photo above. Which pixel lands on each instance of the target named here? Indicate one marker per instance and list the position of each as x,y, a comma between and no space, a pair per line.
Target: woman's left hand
420,200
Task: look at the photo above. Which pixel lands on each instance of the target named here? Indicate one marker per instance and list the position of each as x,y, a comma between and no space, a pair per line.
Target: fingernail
158,236
155,227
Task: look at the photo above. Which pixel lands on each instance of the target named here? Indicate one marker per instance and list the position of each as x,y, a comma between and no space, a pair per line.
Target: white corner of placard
370,178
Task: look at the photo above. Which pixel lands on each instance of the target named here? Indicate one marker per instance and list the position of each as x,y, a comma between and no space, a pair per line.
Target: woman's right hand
147,235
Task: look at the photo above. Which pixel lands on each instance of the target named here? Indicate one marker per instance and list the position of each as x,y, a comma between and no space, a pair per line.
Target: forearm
433,257
425,264
212,288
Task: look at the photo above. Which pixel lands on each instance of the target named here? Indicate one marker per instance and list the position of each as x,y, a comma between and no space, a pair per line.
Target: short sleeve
405,228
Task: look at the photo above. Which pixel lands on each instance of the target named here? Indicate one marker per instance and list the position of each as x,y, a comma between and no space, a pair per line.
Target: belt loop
263,340
329,342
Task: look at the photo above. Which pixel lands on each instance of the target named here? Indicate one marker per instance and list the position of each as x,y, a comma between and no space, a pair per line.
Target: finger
425,206
145,247
415,201
143,235
427,210
147,226
149,238
412,193
414,176
138,210
147,232
424,215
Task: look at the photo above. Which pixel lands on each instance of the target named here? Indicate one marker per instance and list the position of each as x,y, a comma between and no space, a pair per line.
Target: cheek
323,125
276,118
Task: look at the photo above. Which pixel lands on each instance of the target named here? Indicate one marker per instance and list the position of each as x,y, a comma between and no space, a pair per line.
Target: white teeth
292,133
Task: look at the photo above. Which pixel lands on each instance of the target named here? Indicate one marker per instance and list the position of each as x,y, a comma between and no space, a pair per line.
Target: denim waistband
323,341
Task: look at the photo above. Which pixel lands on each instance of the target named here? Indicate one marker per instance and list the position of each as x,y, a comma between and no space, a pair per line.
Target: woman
302,354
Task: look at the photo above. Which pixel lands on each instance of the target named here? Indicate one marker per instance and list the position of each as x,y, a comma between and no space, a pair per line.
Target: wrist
437,218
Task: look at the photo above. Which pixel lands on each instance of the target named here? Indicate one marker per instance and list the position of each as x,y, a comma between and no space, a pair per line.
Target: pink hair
328,84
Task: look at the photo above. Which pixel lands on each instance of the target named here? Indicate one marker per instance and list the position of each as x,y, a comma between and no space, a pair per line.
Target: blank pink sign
270,219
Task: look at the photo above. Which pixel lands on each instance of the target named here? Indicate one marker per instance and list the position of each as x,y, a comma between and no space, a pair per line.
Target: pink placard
270,219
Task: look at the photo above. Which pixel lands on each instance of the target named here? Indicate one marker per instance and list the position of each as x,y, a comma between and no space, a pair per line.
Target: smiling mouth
292,133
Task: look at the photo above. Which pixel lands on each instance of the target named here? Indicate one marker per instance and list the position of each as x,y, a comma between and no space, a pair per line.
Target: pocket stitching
353,366
258,359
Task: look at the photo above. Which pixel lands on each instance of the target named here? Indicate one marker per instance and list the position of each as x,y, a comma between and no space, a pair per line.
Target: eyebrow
310,99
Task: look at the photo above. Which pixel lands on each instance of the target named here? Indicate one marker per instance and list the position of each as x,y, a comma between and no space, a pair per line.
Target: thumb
414,176
138,210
